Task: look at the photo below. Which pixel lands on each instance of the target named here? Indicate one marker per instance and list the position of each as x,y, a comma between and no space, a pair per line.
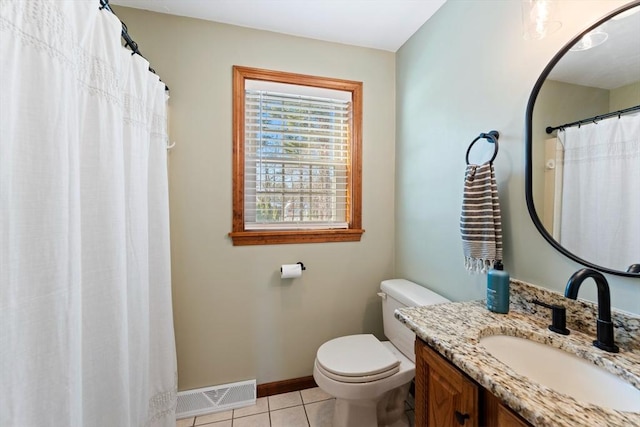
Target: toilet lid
356,356
359,380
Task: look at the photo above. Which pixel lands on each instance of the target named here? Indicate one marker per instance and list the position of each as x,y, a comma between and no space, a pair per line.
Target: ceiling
613,64
387,24
378,24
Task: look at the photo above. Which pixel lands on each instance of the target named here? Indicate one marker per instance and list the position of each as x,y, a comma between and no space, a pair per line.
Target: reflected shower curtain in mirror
86,329
600,199
557,195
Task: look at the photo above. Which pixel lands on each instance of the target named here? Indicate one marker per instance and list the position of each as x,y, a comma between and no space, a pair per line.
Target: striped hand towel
480,222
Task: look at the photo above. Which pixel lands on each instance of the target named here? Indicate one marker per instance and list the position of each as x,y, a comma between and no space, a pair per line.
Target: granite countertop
455,329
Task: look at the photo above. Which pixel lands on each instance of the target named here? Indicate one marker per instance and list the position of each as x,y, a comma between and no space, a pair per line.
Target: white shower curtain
601,191
86,329
557,196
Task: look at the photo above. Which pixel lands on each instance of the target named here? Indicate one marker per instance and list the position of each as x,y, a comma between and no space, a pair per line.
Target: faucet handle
558,317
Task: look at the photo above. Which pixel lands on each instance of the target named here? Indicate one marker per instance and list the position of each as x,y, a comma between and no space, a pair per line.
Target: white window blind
296,157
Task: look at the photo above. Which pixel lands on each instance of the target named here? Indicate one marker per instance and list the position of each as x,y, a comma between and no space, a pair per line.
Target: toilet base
388,411
348,413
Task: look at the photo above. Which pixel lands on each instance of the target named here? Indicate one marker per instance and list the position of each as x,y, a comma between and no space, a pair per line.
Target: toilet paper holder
302,267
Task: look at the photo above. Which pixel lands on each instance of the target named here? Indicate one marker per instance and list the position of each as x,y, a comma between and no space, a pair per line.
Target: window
297,160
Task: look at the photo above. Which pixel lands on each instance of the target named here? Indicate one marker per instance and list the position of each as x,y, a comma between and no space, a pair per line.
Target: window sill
262,237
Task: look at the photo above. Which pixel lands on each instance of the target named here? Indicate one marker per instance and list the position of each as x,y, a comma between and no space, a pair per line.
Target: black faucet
604,326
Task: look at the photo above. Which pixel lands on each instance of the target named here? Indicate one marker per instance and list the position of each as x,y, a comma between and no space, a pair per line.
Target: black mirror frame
529,146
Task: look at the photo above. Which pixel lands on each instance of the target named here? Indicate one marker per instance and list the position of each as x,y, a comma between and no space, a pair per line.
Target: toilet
369,378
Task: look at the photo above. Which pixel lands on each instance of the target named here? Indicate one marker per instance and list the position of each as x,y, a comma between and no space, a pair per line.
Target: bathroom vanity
459,382
446,396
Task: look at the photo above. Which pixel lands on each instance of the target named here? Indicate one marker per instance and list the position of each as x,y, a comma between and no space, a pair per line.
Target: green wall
468,70
625,96
235,319
556,104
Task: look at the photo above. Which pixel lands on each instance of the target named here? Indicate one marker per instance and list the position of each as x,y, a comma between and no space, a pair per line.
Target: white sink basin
563,372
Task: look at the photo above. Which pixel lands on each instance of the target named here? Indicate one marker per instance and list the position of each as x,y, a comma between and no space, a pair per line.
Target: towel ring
492,137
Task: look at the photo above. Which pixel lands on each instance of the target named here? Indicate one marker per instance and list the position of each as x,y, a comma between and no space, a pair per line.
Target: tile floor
306,408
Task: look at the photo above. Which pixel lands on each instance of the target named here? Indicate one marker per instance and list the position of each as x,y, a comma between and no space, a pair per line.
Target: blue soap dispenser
498,289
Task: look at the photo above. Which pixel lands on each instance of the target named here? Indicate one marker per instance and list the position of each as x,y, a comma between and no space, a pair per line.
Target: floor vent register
215,399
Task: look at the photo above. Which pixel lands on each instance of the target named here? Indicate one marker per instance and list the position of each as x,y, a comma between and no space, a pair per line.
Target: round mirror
583,146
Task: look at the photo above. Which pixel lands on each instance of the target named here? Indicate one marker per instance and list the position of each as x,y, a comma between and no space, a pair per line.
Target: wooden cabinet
496,414
446,397
506,418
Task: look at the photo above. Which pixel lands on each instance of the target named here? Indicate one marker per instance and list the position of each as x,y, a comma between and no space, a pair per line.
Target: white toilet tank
398,293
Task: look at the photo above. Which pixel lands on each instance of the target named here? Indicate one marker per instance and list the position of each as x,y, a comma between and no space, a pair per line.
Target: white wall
234,317
468,70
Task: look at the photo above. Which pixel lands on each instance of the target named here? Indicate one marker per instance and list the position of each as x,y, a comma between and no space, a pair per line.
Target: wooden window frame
239,235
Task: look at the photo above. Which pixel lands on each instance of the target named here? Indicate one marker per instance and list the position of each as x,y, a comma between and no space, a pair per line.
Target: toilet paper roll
290,271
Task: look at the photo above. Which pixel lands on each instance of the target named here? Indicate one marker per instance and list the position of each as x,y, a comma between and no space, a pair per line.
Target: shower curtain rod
595,119
128,41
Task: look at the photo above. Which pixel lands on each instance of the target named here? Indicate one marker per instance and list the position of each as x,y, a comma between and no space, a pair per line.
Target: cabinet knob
461,418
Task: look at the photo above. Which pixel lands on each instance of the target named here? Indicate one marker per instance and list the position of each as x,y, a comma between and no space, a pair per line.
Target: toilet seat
356,359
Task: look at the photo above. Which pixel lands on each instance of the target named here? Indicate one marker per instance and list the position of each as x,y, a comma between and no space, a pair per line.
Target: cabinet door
498,415
506,418
445,397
